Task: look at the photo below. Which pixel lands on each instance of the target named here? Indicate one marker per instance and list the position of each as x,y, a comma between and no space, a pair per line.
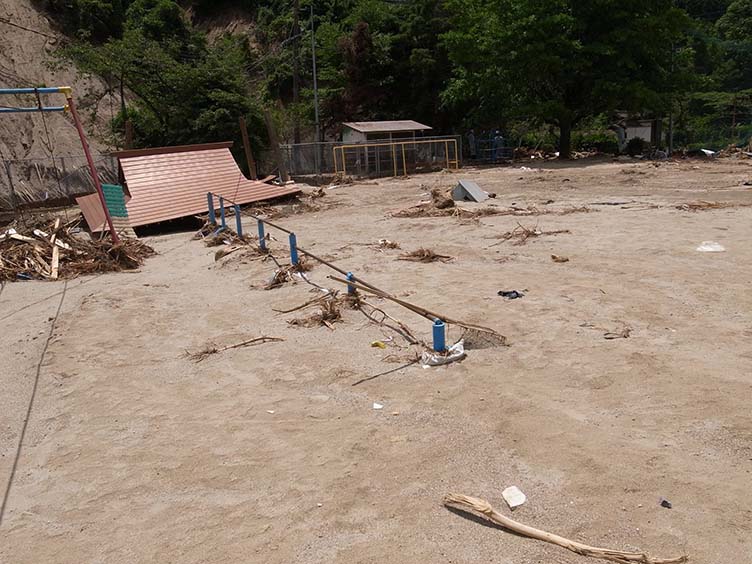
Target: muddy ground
269,454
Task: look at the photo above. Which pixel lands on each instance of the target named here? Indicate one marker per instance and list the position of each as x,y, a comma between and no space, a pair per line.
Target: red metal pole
92,168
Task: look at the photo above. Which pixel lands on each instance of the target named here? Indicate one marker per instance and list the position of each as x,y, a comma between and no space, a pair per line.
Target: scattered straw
328,314
285,274
702,205
424,255
211,348
521,234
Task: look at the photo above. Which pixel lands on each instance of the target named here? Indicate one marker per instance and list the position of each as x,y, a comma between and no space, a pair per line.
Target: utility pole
315,80
296,69
317,140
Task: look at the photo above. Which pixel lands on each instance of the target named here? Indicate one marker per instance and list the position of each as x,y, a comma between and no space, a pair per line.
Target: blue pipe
238,223
42,109
439,335
262,236
222,212
293,249
212,214
45,90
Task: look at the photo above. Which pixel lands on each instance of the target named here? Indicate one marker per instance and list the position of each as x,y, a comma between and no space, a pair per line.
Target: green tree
561,61
181,90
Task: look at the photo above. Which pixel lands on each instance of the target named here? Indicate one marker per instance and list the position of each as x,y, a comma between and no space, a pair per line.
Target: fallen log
477,505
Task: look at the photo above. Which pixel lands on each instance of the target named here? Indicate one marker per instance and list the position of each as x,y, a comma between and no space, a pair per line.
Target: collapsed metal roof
386,126
171,182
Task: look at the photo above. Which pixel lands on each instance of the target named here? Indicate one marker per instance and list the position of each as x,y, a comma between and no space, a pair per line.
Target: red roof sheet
168,183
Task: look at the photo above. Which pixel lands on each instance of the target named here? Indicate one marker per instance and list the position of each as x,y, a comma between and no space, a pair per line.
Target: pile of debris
55,250
702,205
442,205
736,152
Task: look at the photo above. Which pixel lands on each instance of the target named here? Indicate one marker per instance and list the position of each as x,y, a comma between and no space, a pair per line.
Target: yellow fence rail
399,155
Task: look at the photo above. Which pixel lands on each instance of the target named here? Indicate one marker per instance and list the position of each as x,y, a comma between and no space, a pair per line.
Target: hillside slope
27,60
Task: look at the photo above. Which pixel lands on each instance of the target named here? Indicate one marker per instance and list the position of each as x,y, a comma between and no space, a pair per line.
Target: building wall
352,136
643,131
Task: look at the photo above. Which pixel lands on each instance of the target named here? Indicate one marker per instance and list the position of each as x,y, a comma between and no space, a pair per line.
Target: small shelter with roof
370,131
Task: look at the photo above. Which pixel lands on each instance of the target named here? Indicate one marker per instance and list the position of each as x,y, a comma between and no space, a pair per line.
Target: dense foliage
518,65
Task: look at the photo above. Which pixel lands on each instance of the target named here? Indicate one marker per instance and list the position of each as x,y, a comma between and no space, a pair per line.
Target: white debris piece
514,497
454,353
377,406
710,247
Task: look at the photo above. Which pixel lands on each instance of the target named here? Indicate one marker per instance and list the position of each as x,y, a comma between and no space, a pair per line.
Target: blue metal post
222,212
293,249
350,277
262,236
439,335
43,90
210,202
12,110
238,223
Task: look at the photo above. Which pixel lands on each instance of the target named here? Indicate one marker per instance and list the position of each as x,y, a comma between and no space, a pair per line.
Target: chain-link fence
380,158
26,182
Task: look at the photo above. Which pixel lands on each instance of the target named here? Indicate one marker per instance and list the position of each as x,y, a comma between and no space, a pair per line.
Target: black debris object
666,503
510,294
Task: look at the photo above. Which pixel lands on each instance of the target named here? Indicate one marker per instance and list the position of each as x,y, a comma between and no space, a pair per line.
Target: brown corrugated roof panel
164,184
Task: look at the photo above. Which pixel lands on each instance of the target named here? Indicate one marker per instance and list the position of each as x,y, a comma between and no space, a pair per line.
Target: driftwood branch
474,504
212,349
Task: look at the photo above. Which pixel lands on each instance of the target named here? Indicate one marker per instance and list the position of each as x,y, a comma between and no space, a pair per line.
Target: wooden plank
55,266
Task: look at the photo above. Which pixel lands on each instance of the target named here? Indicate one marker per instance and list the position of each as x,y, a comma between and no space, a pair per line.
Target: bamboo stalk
428,314
474,504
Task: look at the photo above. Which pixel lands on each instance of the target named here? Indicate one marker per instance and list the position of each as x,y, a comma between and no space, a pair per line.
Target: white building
370,131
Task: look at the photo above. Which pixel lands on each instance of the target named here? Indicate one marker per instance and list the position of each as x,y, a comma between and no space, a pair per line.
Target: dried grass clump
328,314
211,348
425,255
521,234
285,274
702,205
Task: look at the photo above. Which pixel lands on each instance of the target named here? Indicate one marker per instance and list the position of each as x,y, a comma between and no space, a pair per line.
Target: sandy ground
136,454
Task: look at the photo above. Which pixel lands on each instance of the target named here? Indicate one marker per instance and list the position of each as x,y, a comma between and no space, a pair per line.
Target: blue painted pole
212,214
439,335
42,109
238,223
293,249
262,236
45,90
222,212
350,278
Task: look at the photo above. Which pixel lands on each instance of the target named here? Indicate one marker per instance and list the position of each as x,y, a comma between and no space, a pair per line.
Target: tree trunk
565,139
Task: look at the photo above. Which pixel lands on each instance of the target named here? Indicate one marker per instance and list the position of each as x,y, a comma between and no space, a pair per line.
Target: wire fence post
222,212
262,236
238,223
439,335
293,249
212,214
